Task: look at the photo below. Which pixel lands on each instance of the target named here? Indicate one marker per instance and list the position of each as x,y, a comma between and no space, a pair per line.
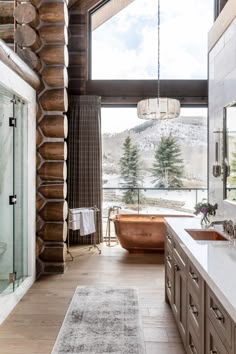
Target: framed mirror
229,162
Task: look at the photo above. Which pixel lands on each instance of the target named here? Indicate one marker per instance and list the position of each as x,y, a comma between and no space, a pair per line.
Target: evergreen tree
168,166
231,180
130,172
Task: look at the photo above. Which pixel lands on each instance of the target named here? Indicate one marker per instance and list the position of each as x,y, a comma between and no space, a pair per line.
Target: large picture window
124,44
154,165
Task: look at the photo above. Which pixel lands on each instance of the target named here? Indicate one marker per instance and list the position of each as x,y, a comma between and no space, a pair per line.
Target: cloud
125,47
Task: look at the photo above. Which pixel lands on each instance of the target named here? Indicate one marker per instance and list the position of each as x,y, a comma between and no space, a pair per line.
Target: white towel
87,224
74,219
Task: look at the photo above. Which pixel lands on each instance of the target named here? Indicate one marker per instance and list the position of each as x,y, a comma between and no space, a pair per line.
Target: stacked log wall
42,38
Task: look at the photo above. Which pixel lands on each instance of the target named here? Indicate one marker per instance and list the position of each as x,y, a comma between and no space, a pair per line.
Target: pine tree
168,166
130,172
231,180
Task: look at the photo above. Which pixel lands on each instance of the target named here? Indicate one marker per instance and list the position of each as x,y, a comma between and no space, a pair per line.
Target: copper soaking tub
137,232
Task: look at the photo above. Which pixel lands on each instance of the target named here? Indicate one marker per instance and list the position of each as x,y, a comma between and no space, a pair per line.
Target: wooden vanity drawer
168,238
169,284
219,318
169,257
195,310
193,343
214,345
179,254
195,279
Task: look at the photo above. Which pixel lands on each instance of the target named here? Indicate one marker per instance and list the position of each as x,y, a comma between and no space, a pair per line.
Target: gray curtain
84,159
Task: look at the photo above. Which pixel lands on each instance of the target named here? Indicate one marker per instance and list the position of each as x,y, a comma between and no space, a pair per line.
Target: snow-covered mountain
190,132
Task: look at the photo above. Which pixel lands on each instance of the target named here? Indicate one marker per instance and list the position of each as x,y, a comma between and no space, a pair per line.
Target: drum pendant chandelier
159,107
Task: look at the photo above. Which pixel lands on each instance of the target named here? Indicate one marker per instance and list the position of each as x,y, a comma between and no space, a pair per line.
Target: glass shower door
20,190
6,190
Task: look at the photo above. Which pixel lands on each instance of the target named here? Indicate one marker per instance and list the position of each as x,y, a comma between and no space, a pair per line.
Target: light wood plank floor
35,322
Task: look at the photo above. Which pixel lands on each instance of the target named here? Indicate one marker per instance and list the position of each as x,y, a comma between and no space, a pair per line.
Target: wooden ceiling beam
192,92
83,5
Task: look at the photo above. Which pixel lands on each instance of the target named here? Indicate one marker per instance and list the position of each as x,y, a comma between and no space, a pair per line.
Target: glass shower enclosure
13,191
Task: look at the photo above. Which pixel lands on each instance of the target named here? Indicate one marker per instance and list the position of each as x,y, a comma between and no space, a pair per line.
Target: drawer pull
192,348
168,258
218,314
193,309
169,284
168,237
177,267
194,276
213,351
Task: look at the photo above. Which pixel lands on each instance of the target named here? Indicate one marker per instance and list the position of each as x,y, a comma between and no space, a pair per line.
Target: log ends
55,76
30,58
54,100
55,55
53,171
54,34
53,150
25,36
54,12
54,191
54,126
54,232
26,13
54,211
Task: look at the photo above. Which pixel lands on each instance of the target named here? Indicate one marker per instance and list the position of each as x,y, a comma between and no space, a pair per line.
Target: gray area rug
102,320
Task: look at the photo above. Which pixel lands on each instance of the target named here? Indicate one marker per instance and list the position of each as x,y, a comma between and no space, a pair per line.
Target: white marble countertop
215,260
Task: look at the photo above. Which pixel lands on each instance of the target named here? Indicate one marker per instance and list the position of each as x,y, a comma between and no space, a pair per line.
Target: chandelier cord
158,42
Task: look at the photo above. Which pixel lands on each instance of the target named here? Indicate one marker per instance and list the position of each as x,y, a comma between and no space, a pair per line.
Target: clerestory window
124,41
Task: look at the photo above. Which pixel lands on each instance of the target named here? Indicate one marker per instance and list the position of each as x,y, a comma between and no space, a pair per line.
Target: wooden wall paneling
53,126
6,12
78,49
7,33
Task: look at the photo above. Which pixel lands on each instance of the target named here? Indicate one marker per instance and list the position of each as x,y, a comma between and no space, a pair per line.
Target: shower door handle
12,199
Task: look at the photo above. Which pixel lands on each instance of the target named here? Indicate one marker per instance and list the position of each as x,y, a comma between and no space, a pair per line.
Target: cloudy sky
125,47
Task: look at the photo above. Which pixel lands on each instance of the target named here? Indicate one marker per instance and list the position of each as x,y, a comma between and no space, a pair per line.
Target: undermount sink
206,235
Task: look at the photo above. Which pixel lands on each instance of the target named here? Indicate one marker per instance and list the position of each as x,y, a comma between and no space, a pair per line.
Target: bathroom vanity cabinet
204,325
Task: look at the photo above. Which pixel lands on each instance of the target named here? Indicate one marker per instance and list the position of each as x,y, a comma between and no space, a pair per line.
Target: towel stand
93,234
